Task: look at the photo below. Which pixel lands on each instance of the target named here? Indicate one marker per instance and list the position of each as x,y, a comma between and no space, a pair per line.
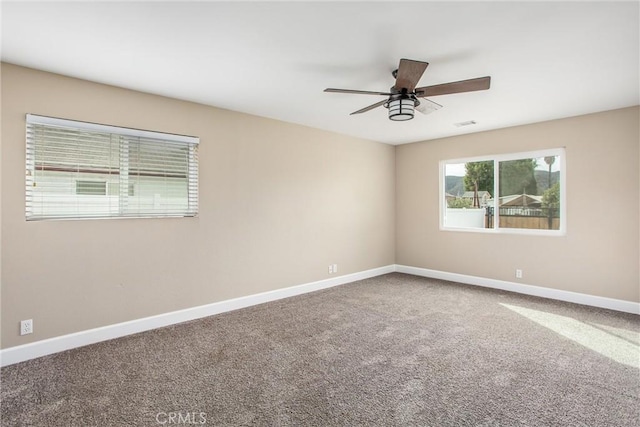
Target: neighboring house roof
521,200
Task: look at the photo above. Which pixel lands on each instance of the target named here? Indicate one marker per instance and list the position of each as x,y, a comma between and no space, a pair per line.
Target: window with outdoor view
86,170
522,192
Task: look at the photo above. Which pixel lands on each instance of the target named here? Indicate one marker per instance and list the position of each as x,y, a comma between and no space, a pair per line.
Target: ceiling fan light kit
401,109
403,96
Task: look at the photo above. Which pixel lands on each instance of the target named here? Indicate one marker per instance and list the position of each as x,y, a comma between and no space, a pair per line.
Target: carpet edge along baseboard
61,343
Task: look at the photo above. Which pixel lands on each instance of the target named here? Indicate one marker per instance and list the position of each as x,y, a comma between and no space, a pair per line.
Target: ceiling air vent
467,123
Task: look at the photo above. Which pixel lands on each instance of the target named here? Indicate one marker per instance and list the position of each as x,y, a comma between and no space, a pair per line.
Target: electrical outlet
331,269
335,268
518,273
26,327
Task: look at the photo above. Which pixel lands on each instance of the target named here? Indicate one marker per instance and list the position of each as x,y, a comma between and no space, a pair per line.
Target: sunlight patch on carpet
615,345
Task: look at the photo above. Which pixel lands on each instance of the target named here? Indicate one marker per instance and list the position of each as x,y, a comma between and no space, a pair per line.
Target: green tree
459,203
551,201
480,173
518,177
478,177
551,197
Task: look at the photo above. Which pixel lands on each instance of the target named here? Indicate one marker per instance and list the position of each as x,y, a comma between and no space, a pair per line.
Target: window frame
127,136
497,158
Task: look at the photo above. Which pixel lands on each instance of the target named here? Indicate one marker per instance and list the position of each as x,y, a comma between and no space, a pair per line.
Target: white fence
465,217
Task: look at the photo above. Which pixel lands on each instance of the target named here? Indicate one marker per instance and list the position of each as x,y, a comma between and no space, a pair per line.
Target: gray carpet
392,350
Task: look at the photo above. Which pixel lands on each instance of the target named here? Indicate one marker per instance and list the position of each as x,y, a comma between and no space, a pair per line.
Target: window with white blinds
86,170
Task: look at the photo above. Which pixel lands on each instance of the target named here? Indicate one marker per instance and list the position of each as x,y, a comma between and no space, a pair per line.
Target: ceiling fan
403,97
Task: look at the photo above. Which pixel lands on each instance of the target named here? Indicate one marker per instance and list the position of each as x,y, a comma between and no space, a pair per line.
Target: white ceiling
273,59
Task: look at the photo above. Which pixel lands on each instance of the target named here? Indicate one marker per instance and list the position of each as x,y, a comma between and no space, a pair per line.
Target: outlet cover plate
26,327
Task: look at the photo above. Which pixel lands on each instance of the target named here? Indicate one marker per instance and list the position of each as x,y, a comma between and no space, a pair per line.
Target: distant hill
455,184
542,179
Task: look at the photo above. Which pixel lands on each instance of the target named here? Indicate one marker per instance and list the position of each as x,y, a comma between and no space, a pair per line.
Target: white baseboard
21,353
41,348
578,298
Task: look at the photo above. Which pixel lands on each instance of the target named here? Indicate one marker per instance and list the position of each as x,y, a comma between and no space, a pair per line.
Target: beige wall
278,204
599,254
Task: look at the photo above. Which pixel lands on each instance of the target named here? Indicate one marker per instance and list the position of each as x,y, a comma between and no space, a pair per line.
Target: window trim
164,139
497,158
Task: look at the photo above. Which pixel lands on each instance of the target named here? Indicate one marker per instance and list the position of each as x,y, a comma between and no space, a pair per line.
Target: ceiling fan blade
358,92
370,107
481,83
426,106
409,74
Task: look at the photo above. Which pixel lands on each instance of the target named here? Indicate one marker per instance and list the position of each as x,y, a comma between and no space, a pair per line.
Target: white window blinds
86,170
